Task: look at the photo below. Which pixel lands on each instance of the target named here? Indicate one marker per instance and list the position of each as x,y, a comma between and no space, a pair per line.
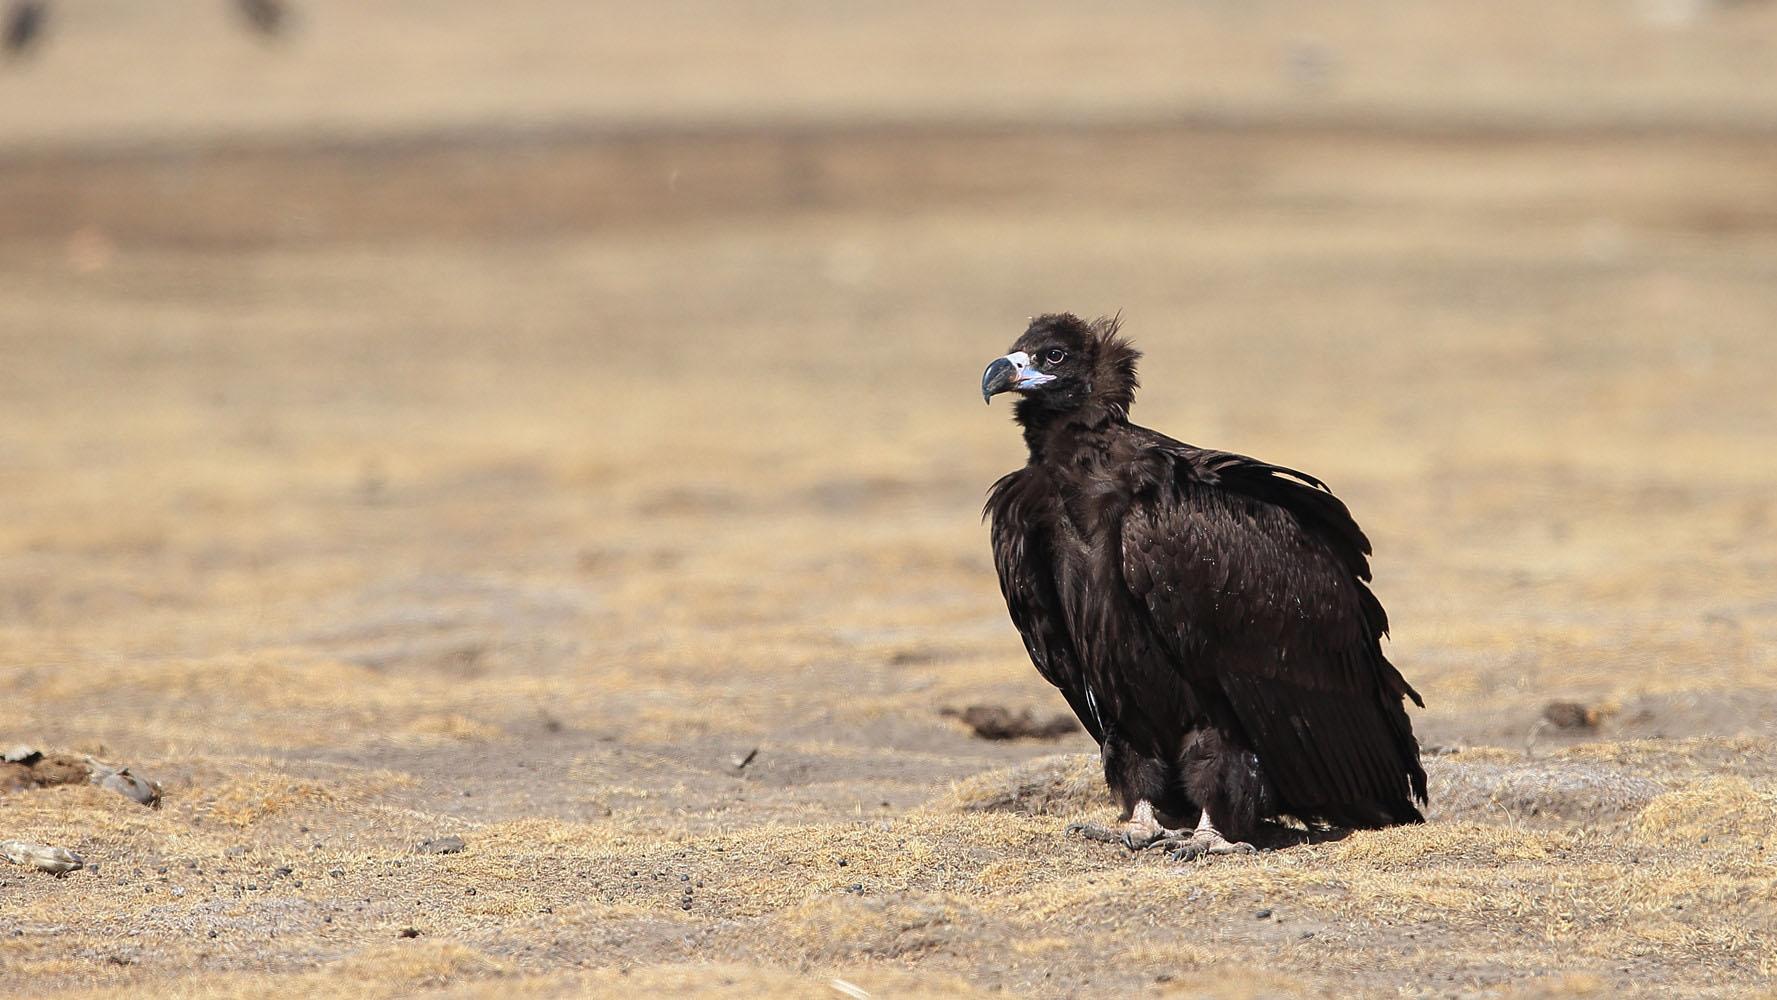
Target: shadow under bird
1205,614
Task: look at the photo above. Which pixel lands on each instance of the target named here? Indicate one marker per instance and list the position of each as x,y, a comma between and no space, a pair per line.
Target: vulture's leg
1143,830
1141,780
1204,840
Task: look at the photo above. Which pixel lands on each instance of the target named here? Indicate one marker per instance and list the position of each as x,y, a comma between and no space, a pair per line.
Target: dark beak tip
996,379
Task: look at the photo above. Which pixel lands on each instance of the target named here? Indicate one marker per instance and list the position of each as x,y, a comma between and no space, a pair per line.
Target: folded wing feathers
1261,569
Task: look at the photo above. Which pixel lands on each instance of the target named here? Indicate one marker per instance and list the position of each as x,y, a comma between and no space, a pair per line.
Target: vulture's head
1063,363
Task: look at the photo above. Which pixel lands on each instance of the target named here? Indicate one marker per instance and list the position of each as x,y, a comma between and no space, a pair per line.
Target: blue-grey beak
1014,371
998,377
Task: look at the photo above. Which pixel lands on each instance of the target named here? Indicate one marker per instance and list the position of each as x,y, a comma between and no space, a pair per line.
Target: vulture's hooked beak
1014,371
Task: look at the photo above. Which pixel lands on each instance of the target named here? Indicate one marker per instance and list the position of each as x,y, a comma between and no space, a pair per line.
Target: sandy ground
371,474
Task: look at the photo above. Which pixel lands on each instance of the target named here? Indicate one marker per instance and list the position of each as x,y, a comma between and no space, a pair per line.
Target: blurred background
512,412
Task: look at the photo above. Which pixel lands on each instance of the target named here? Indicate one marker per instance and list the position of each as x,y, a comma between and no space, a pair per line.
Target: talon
1202,846
1142,831
1206,840
1092,831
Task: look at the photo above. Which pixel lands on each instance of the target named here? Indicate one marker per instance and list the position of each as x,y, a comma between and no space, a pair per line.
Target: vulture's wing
1026,566
1254,576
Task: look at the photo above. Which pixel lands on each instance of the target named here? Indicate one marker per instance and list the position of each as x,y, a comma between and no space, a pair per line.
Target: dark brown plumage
1206,615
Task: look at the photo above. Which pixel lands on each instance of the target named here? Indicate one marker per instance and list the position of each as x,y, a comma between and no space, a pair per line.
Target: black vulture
1206,615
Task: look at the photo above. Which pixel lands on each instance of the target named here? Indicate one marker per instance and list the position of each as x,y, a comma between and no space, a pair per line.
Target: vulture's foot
1203,842
1141,832
1197,845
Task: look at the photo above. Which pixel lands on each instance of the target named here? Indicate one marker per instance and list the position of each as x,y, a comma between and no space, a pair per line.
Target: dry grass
367,493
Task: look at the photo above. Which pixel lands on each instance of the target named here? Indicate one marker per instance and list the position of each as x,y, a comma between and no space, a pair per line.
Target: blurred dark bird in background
1206,615
23,28
268,17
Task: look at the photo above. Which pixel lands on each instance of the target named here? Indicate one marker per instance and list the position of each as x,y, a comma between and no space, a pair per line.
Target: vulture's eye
1054,355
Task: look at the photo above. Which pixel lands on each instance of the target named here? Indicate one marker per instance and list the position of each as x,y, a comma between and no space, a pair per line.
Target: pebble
410,932
1262,914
